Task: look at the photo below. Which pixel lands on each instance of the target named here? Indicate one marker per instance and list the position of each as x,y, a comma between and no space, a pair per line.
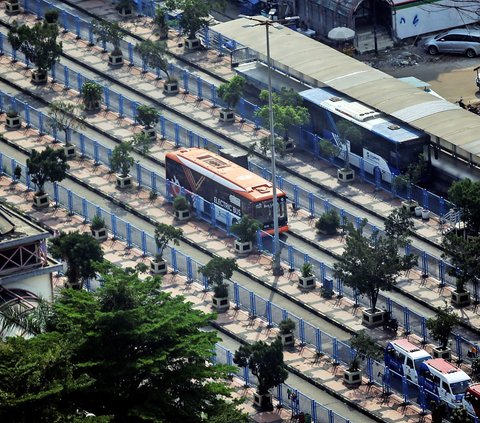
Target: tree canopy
47,165
465,194
38,43
231,92
126,353
121,161
370,264
65,116
154,55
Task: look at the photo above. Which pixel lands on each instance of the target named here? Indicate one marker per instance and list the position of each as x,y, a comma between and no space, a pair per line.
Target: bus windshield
460,387
264,210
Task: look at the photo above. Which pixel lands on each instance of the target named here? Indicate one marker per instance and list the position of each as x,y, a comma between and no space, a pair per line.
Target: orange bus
227,185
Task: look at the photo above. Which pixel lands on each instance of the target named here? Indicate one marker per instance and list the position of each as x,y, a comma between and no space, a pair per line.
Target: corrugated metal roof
321,65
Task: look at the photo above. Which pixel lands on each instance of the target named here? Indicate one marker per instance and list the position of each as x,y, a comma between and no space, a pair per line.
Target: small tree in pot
363,346
246,231
13,119
160,22
148,116
154,54
39,45
231,92
92,94
98,229
121,162
163,235
216,271
51,16
142,142
181,207
110,32
48,165
346,133
306,279
266,363
440,328
328,223
286,328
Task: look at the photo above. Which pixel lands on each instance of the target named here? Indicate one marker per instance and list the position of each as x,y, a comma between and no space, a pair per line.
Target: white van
445,380
405,358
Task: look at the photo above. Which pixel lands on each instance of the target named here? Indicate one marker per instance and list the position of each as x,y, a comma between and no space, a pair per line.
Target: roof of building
224,172
319,65
15,228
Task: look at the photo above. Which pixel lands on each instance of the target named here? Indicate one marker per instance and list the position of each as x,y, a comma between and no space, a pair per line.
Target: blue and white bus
385,143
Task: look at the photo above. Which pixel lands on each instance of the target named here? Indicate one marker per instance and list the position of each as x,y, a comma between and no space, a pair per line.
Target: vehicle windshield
264,210
460,387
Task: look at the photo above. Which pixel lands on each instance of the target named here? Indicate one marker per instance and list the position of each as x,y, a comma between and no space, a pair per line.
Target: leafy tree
109,32
328,222
92,94
265,145
265,362
216,271
23,321
441,325
347,132
370,264
459,415
147,115
464,255
65,116
466,195
246,228
163,235
51,16
80,251
38,43
160,22
364,346
121,161
48,165
398,226
142,142
154,54
231,92
328,149
412,175
287,110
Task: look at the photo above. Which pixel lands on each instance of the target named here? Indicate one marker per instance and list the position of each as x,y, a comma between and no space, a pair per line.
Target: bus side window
410,363
446,386
391,352
436,380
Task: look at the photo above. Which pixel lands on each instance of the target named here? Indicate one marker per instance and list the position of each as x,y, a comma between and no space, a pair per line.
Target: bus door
427,381
393,360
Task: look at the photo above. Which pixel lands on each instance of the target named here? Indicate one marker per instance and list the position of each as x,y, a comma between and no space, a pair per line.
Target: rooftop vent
394,127
357,111
334,99
213,161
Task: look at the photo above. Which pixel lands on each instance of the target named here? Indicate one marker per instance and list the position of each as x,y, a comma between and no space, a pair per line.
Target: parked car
462,41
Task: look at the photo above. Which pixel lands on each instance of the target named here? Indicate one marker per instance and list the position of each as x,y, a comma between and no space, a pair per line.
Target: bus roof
453,373
407,346
364,116
225,172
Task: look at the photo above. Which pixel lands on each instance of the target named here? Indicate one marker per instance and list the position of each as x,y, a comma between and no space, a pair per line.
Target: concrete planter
92,106
182,214
13,122
170,87
345,175
243,247
418,211
70,151
220,304
438,352
352,378
150,133
410,206
262,401
115,59
192,44
124,182
100,234
41,201
227,116
460,299
425,214
125,12
39,77
12,7
158,267
307,282
289,146
288,339
372,319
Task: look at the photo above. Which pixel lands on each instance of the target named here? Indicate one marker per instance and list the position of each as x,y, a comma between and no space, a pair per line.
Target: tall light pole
267,23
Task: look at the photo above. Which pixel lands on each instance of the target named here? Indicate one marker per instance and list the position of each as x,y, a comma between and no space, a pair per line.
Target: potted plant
65,116
12,7
246,231
153,53
286,328
98,229
125,8
347,133
362,347
216,271
163,235
148,116
403,184
13,120
160,22
440,328
110,32
194,17
231,92
181,208
51,16
266,363
17,173
121,162
39,45
92,94
306,279
142,142
328,223
48,165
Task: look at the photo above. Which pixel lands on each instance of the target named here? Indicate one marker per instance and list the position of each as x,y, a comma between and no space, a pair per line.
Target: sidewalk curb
311,381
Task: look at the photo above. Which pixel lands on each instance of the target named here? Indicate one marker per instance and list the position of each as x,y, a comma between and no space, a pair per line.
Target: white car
461,41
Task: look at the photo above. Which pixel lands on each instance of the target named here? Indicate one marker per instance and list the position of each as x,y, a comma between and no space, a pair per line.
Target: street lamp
276,267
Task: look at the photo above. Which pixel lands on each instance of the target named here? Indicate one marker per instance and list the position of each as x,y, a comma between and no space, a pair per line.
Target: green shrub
328,223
